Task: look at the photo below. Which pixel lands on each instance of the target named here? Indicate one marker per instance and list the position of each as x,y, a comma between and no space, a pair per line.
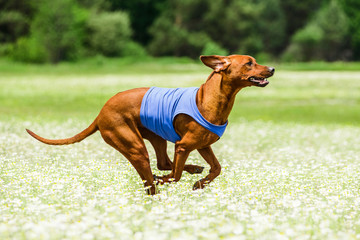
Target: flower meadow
290,160
278,181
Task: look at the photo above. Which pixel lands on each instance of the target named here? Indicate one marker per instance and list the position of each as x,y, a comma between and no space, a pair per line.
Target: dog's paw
201,183
158,180
193,169
199,169
197,185
151,190
164,179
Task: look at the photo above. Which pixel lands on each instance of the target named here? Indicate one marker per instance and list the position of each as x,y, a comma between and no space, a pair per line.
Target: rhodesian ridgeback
192,118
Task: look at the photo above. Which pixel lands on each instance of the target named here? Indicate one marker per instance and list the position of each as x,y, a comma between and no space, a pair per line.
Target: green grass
100,65
278,181
322,66
80,90
290,158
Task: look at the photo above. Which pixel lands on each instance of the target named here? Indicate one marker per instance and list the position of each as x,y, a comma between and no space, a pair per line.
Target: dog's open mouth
260,82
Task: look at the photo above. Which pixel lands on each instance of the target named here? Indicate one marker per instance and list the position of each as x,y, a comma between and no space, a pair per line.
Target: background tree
15,19
109,32
142,15
179,31
242,26
230,23
352,9
272,27
297,14
59,28
324,37
62,30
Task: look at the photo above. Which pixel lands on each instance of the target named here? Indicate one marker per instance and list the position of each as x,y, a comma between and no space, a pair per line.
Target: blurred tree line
289,30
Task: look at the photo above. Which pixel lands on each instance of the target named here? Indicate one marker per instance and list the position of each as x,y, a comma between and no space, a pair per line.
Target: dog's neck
216,98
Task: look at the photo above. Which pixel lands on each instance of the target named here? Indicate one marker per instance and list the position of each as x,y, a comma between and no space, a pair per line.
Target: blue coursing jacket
160,106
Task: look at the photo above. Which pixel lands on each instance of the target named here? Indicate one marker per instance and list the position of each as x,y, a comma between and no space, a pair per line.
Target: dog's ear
216,62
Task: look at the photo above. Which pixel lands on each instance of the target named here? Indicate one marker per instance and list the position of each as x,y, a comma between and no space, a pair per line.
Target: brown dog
120,125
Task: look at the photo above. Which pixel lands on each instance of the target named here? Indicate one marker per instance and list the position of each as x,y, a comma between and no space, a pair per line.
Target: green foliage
13,24
5,49
232,25
352,9
15,16
109,32
63,30
170,38
142,15
305,44
335,25
297,14
272,27
133,49
212,48
28,50
59,27
96,5
322,38
264,57
239,25
181,32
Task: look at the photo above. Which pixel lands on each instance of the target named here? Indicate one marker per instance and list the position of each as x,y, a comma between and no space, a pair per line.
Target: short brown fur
120,126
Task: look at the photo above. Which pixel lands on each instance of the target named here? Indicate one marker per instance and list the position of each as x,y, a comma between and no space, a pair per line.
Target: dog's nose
271,70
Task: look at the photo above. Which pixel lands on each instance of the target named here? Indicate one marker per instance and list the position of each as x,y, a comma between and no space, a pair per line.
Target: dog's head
241,70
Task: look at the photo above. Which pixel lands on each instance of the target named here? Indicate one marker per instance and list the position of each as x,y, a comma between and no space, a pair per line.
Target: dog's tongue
261,81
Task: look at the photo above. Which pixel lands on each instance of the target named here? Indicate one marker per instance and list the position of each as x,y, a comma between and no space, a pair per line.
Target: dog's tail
77,138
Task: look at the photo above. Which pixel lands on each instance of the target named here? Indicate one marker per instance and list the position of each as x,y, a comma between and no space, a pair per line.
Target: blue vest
160,106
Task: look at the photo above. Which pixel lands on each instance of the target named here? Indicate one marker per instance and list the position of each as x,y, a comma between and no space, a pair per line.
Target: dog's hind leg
163,160
130,144
160,147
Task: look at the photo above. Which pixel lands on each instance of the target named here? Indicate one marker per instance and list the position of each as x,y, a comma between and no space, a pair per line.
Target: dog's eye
249,63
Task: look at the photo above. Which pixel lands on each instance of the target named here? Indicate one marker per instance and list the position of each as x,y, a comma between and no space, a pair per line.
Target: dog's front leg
215,167
181,154
182,151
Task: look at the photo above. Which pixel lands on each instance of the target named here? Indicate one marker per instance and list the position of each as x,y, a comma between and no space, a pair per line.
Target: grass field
290,158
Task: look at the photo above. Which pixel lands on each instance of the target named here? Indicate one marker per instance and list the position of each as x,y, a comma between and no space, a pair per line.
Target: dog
131,116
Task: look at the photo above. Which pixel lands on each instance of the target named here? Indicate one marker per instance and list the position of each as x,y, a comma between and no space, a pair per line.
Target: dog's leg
130,143
181,154
182,151
163,160
215,167
160,147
